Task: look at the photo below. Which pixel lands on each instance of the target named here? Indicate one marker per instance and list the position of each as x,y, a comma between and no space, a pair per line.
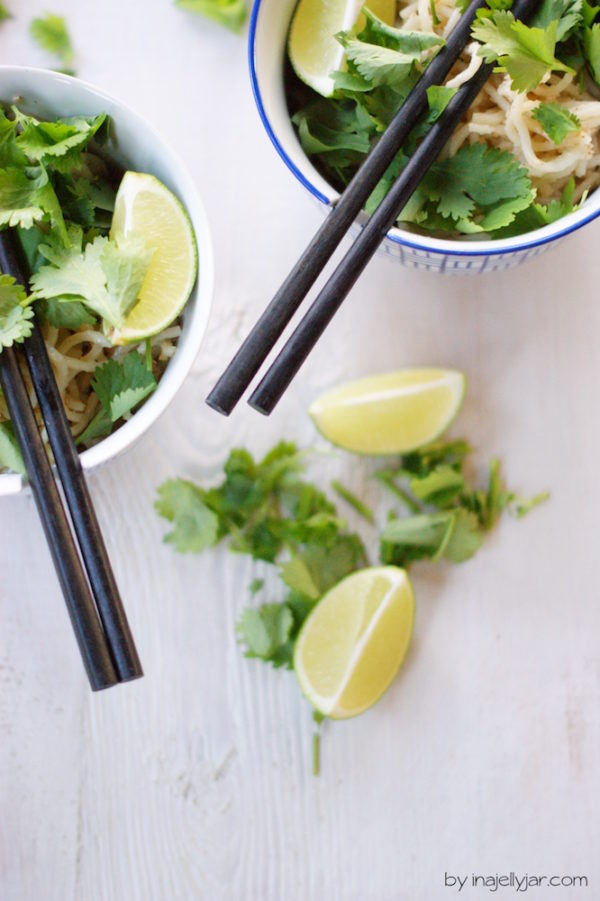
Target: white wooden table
195,783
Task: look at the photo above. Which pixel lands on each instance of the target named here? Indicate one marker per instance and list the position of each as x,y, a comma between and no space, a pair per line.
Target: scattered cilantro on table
51,33
270,511
231,13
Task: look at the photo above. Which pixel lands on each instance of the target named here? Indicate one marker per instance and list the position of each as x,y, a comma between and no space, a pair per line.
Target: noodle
75,355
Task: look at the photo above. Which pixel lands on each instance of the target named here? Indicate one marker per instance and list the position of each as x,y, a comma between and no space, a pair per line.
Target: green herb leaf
525,52
556,120
266,631
106,275
439,487
567,13
195,526
58,143
10,454
231,13
50,32
4,12
122,385
591,47
64,313
15,314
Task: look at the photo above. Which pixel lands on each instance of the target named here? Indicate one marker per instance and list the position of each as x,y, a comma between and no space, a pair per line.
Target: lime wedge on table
145,207
391,413
352,644
313,49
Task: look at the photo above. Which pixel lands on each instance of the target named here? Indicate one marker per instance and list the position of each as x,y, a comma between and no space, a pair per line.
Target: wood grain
195,783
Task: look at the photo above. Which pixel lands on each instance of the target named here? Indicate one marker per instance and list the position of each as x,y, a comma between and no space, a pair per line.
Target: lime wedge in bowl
312,46
391,413
145,207
354,641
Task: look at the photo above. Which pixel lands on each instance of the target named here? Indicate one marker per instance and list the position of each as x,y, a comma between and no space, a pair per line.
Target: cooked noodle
76,354
501,117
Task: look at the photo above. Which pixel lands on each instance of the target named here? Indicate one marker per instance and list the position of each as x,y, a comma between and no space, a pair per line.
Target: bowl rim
564,226
194,327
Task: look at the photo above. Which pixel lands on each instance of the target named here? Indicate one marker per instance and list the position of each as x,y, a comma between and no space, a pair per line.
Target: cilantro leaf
591,47
50,32
471,188
525,52
537,215
106,274
4,12
122,385
59,142
266,632
439,487
378,65
26,197
64,313
231,13
556,120
10,454
567,13
297,576
15,314
195,526
377,32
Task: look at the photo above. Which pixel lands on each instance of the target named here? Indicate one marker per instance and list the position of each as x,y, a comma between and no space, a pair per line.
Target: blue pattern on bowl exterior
266,52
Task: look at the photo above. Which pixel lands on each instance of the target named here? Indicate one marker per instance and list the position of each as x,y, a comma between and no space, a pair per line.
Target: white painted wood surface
195,783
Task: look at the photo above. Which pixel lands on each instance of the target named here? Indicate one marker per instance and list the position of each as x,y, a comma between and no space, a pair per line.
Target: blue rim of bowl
403,242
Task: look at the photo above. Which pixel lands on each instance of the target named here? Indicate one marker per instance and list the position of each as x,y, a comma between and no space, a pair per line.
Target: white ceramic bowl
267,46
136,146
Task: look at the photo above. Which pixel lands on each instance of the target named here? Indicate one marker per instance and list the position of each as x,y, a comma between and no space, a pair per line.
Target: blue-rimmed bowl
267,47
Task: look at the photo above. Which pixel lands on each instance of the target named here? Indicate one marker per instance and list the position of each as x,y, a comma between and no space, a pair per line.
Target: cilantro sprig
16,314
271,512
51,33
230,13
120,386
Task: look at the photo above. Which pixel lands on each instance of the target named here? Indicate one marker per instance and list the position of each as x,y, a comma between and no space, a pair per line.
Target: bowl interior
267,48
135,145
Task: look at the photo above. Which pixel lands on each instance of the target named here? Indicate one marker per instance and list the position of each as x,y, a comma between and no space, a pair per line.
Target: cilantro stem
149,354
316,753
353,500
386,477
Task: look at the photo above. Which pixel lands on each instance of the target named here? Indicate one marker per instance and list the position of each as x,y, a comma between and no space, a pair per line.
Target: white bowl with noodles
269,26
134,145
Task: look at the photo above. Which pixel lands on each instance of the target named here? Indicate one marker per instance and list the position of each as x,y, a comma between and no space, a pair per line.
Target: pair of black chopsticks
93,601
269,328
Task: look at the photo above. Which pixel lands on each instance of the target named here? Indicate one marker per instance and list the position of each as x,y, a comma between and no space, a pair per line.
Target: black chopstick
269,328
86,625
330,298
83,516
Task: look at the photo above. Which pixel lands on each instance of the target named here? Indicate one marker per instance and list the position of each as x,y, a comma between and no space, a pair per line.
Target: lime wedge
391,413
354,641
145,207
313,49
